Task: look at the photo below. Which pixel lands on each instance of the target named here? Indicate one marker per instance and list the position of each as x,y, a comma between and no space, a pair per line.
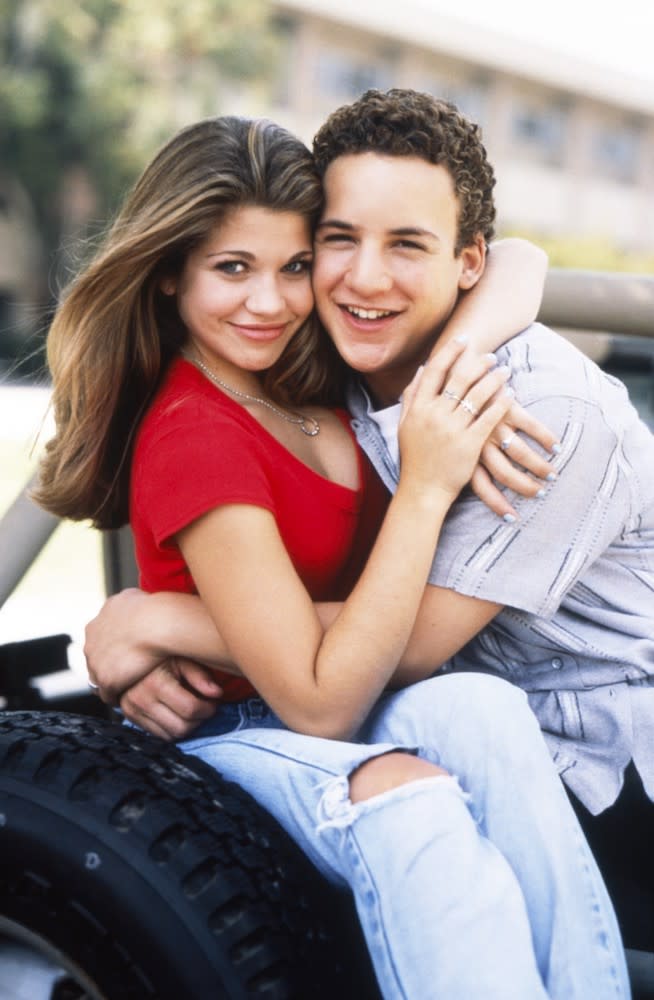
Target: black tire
149,876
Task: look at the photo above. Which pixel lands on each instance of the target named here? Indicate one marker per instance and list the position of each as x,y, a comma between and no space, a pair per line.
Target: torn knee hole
381,774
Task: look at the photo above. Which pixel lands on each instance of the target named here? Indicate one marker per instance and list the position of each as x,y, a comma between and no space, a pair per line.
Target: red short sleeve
192,464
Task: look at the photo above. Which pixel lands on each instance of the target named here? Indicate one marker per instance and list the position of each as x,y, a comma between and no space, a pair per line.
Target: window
344,76
615,151
538,131
470,96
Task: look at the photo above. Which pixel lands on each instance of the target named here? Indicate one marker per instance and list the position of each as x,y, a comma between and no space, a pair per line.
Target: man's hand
507,458
173,699
135,632
117,655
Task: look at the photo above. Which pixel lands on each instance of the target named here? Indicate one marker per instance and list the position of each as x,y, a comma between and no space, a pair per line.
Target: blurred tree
89,89
592,253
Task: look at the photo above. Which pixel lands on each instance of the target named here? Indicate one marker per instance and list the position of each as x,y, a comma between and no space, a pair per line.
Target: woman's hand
450,409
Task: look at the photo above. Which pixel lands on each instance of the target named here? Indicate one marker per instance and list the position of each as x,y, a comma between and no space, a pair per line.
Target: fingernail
550,477
556,448
492,358
509,518
462,338
540,494
508,391
504,369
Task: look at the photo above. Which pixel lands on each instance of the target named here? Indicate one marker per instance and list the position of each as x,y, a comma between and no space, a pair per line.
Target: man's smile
360,313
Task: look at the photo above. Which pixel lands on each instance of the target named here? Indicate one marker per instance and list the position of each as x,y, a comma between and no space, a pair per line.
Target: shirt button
557,663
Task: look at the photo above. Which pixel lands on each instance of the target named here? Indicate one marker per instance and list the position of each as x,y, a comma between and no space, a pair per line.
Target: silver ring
505,444
450,395
94,687
468,407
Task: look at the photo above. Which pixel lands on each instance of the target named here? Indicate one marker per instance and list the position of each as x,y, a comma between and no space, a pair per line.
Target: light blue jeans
476,885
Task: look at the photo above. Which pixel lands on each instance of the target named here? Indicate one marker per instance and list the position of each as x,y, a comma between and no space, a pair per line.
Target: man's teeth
368,313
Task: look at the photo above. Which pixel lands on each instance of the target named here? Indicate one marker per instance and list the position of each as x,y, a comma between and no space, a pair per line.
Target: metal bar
24,530
595,300
120,569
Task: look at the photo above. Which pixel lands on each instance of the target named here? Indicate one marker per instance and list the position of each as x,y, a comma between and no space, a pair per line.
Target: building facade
573,145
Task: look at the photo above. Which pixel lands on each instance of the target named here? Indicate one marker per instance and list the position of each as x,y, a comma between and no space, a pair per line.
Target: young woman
190,377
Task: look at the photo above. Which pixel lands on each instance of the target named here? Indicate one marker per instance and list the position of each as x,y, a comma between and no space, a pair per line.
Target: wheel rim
32,968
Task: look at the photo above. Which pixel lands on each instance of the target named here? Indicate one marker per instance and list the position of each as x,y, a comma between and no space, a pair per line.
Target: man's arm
134,632
505,301
501,305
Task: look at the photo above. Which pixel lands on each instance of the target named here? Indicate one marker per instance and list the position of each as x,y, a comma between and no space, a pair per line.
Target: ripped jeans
475,885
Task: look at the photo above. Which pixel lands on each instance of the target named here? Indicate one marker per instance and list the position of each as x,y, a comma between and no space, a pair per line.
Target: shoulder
539,349
194,436
196,450
545,366
190,412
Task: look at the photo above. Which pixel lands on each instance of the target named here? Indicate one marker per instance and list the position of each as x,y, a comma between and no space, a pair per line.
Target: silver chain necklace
308,425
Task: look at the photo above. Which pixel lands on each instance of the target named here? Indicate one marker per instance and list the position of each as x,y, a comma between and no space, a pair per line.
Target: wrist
156,626
428,500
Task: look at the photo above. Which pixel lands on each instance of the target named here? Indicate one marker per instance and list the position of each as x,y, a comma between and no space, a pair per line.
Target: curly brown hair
409,123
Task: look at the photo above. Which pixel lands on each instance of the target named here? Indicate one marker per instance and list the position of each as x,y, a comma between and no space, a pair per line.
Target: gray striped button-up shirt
575,573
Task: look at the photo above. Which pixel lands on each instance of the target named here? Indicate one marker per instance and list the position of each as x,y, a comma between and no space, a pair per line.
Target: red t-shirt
197,449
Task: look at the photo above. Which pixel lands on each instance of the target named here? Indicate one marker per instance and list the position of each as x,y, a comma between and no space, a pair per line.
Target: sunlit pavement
64,588
25,974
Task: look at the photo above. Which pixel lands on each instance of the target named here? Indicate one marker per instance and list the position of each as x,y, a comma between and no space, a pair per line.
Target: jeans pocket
226,719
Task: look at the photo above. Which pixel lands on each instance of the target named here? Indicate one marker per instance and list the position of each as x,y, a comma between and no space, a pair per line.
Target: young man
560,602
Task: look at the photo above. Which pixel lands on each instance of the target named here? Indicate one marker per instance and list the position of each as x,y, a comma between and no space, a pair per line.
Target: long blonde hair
115,332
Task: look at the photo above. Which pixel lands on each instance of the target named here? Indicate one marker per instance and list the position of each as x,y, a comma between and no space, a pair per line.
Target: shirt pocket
558,713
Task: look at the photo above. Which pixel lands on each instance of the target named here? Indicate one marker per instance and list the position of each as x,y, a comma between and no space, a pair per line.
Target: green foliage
591,253
89,88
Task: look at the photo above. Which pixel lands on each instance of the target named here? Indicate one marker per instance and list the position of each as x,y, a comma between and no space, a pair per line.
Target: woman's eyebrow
235,253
